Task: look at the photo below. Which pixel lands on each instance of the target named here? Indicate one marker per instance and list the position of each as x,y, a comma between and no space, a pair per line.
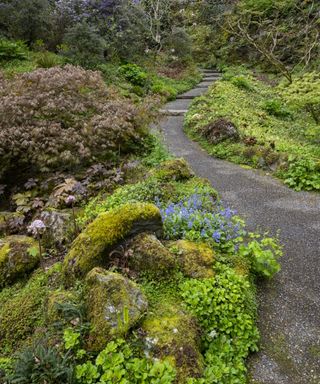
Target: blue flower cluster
200,217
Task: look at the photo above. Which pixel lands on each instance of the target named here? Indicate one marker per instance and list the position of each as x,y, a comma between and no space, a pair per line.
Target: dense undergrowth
277,125
45,329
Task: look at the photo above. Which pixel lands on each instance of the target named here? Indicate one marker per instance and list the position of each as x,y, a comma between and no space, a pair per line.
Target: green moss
195,260
22,309
114,305
149,256
173,333
55,300
92,246
176,169
19,255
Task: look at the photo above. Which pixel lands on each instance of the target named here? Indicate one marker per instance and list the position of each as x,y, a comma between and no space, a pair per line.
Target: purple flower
70,200
36,227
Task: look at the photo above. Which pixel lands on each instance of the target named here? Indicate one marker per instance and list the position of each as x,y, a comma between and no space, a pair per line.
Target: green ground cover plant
277,125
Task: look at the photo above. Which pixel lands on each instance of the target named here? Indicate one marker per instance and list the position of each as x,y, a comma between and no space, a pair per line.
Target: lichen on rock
173,170
150,256
19,255
196,260
114,305
92,247
171,332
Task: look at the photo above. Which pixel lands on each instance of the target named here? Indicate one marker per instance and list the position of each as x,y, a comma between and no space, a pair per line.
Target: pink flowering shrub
62,118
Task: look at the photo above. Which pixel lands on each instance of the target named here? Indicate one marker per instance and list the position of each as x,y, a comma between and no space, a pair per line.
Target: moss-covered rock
150,256
114,305
59,224
22,309
171,332
173,170
9,222
19,255
196,260
56,300
92,247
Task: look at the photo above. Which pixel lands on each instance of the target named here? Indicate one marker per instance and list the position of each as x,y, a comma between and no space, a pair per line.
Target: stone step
173,112
211,78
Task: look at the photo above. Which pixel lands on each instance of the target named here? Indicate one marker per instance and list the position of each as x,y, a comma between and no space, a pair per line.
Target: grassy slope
249,104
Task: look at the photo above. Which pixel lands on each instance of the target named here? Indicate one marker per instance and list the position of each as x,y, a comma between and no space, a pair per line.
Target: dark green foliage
277,108
83,45
42,364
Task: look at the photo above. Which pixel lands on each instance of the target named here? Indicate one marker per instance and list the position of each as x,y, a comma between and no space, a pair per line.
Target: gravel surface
289,318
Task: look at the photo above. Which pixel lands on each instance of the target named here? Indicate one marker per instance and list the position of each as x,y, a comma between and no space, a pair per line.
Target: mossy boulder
150,256
19,255
114,304
173,170
58,307
22,310
92,247
196,260
172,333
10,222
59,224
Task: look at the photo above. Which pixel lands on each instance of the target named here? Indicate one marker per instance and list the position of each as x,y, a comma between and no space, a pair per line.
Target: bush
304,92
276,108
134,74
12,50
63,117
84,46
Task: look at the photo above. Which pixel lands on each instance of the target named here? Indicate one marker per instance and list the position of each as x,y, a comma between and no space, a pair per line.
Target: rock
150,256
19,255
220,130
173,170
172,333
56,300
10,222
59,225
114,303
195,260
92,247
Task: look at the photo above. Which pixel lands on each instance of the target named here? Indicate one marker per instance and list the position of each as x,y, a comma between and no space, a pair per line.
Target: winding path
289,304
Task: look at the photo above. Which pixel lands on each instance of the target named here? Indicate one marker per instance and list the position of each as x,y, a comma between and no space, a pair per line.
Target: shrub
304,92
12,50
84,46
63,117
134,74
276,108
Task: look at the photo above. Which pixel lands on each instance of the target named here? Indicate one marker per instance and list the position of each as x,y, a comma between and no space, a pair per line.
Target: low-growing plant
48,59
302,174
277,108
117,364
225,308
12,50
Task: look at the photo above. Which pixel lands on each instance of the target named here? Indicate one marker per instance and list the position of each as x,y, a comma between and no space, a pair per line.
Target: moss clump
114,305
19,255
195,260
22,309
150,256
56,299
172,333
92,247
173,170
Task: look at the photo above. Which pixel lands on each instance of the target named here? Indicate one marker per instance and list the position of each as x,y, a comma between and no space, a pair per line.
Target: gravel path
289,304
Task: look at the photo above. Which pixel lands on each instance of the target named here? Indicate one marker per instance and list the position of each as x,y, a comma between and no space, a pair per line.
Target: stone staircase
180,106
